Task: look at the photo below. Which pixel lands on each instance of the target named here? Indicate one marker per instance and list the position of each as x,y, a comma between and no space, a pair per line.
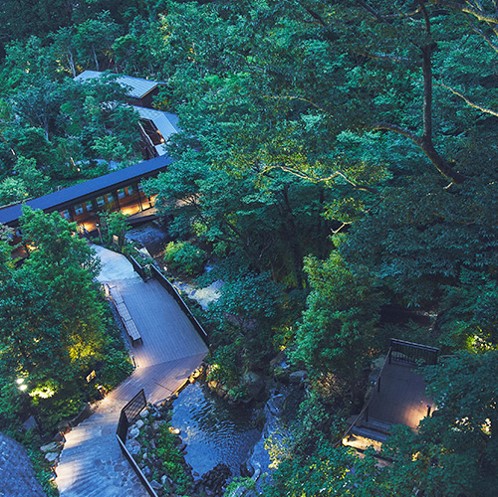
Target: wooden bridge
92,464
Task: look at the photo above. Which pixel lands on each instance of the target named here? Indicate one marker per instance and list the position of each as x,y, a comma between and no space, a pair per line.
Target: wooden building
116,191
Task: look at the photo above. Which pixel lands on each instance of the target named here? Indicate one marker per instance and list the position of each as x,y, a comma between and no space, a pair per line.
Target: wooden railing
364,412
129,414
137,267
405,352
166,284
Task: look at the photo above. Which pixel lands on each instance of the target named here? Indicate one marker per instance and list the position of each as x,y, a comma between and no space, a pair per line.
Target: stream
213,430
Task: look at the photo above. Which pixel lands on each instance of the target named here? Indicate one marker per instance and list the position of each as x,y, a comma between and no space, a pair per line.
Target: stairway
371,433
92,464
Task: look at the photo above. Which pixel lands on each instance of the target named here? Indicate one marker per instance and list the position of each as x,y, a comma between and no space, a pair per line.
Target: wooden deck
91,463
402,398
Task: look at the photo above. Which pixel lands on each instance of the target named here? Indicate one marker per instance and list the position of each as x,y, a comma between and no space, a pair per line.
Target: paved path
91,463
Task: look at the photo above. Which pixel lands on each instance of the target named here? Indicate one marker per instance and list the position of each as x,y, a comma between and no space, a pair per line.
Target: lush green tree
242,320
331,471
94,38
50,307
185,257
339,331
113,224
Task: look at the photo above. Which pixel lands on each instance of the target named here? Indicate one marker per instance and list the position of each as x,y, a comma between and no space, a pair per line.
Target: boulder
155,485
133,447
157,424
298,376
255,385
134,432
51,447
51,456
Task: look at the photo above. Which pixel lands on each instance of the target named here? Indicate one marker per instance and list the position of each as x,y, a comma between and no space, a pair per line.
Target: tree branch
293,97
314,14
468,8
428,148
400,131
314,179
469,102
486,38
371,10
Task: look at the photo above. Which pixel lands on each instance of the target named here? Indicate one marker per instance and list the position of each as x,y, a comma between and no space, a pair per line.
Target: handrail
137,266
136,468
397,341
121,433
366,406
168,286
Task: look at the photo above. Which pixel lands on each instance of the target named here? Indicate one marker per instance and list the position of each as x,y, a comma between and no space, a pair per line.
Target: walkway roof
135,87
16,471
87,189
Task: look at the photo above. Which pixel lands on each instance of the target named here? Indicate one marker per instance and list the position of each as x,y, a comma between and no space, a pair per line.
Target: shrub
185,257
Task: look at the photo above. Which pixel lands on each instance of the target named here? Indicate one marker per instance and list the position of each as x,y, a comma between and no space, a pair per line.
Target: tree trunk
95,59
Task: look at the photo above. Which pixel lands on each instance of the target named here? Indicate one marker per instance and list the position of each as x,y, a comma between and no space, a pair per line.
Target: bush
185,257
171,458
116,368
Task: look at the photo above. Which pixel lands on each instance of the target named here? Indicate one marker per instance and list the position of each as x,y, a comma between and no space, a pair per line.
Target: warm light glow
23,387
43,392
20,381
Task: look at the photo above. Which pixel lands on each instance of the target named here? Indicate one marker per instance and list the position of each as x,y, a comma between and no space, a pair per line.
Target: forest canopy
337,160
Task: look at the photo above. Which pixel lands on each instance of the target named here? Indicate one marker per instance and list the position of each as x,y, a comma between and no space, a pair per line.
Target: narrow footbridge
92,464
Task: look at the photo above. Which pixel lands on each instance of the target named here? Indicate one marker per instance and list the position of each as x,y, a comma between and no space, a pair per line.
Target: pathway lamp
21,384
97,225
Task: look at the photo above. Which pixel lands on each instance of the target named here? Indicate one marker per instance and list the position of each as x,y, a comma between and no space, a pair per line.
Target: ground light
21,384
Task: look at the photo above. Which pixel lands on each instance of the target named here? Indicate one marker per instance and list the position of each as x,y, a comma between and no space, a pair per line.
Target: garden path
91,463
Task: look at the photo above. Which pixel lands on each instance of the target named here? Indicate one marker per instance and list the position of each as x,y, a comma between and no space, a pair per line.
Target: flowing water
213,430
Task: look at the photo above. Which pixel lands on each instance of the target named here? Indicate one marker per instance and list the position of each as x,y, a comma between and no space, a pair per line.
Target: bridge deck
402,398
91,463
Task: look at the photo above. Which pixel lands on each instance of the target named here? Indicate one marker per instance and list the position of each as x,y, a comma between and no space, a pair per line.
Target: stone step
368,433
377,425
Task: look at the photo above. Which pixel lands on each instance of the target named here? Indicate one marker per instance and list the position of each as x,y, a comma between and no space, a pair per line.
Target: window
110,198
89,206
131,190
65,214
78,209
121,193
100,201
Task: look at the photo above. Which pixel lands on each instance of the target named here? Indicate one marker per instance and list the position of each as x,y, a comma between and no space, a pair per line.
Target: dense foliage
55,326
338,159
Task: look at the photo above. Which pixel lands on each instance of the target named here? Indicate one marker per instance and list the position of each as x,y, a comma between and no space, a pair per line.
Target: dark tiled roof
87,189
17,478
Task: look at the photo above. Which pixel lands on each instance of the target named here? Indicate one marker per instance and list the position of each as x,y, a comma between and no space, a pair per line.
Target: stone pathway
91,463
